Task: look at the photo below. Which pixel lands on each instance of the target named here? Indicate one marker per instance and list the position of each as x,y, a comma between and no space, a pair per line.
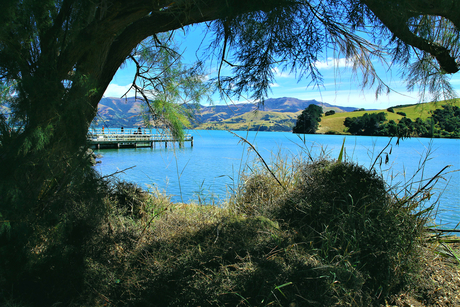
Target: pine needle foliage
170,90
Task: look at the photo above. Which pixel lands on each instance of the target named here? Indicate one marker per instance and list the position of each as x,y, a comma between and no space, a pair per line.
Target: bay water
209,171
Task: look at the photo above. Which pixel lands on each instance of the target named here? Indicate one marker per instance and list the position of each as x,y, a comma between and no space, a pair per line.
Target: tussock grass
349,218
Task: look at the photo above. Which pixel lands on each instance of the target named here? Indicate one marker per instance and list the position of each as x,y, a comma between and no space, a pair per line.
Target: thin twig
426,185
443,230
381,152
260,157
118,172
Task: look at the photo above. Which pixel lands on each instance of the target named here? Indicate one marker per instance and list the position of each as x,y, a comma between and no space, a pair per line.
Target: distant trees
444,122
308,120
330,112
368,124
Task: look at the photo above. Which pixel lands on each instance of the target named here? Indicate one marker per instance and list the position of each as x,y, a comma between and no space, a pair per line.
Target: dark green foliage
330,112
405,127
42,254
391,110
308,120
447,119
444,122
389,129
401,113
368,124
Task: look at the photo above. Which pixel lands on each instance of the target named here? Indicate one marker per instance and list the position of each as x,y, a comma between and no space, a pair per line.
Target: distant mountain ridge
126,112
119,112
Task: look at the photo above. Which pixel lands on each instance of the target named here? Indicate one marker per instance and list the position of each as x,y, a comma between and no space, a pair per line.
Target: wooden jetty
133,138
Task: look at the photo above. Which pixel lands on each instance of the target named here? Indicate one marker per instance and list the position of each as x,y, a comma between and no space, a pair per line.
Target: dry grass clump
261,188
348,217
440,277
439,282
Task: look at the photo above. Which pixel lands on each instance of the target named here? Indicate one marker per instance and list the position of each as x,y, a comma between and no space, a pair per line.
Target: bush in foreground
332,235
349,219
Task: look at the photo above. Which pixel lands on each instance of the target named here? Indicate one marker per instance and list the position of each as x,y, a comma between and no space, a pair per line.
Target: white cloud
115,90
362,99
280,74
274,85
333,63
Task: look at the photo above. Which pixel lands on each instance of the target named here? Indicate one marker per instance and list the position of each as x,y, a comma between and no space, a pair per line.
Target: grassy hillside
277,121
260,120
422,110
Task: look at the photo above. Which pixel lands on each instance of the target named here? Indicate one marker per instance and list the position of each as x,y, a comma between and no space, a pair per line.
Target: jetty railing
120,138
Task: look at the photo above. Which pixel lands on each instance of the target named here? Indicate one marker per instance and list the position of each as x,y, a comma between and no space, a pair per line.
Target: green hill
260,120
335,122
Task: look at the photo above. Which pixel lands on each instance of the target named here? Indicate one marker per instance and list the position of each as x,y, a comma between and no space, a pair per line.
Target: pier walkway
132,138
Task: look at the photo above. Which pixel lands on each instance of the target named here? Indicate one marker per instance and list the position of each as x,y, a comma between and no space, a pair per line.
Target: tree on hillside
308,120
368,124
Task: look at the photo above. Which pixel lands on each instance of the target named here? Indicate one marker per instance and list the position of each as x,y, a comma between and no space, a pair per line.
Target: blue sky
340,87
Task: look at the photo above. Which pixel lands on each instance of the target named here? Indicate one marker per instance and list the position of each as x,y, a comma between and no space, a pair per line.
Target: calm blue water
209,171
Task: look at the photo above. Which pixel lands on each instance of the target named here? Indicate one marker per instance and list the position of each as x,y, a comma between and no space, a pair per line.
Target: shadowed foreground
326,234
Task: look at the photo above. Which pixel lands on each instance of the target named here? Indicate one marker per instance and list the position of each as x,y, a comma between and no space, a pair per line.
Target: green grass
251,119
335,122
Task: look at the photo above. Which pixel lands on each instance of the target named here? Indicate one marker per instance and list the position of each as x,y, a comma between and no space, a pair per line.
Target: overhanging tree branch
396,20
